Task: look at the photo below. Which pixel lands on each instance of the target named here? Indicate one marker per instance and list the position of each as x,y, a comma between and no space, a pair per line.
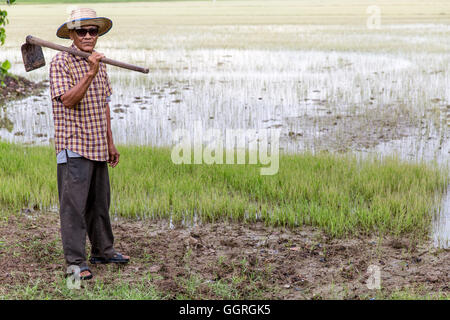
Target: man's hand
94,62
114,155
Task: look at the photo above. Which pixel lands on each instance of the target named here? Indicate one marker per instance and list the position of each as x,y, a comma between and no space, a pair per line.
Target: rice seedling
339,194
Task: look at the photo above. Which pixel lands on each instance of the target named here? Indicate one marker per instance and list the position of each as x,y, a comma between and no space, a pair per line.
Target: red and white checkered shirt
81,129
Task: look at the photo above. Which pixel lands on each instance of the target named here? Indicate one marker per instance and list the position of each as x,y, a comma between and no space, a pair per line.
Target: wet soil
248,260
341,132
18,87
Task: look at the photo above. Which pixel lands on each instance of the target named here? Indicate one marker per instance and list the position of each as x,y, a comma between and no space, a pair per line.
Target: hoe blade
33,57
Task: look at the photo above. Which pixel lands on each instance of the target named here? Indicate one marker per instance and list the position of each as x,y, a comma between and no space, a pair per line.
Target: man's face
87,42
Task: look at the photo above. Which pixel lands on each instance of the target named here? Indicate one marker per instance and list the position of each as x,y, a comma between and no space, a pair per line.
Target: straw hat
84,17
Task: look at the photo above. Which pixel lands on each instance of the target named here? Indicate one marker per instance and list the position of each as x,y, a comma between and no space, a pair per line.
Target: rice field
315,71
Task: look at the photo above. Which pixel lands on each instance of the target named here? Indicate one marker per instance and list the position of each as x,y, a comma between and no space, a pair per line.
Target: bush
5,65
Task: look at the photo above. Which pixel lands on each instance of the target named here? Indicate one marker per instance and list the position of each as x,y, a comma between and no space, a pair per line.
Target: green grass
407,293
142,289
337,193
122,287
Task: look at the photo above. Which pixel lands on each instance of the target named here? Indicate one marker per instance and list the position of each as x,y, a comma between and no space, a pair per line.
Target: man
80,91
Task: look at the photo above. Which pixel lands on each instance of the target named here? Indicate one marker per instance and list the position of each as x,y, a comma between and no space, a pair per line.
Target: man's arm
113,153
108,125
73,96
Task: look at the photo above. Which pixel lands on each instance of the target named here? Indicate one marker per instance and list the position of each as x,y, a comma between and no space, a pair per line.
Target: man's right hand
94,62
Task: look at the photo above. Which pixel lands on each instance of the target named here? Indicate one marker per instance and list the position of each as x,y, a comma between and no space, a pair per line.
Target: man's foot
116,258
86,275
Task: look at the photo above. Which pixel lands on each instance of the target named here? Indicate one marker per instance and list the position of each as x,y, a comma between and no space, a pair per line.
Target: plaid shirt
82,129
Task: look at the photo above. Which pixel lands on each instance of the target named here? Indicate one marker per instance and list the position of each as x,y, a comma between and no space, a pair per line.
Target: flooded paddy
366,99
354,90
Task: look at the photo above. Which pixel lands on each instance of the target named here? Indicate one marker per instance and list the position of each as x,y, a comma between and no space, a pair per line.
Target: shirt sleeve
60,78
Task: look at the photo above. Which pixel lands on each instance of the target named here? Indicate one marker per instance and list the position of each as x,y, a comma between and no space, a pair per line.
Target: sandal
89,276
116,258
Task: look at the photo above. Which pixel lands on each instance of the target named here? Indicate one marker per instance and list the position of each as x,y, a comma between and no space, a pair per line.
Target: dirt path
249,261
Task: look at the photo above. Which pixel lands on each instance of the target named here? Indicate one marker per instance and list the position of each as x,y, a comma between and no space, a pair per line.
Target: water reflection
441,224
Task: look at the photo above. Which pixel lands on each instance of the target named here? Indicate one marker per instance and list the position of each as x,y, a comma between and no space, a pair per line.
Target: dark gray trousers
84,199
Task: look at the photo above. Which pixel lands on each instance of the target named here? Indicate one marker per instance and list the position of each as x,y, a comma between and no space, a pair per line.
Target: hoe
33,57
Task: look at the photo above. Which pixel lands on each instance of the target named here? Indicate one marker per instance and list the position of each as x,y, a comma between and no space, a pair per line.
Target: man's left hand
113,155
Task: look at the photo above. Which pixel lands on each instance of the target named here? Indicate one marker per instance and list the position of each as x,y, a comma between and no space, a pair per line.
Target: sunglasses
82,32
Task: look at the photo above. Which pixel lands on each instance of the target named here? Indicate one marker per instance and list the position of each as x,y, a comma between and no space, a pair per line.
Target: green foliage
5,65
3,22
